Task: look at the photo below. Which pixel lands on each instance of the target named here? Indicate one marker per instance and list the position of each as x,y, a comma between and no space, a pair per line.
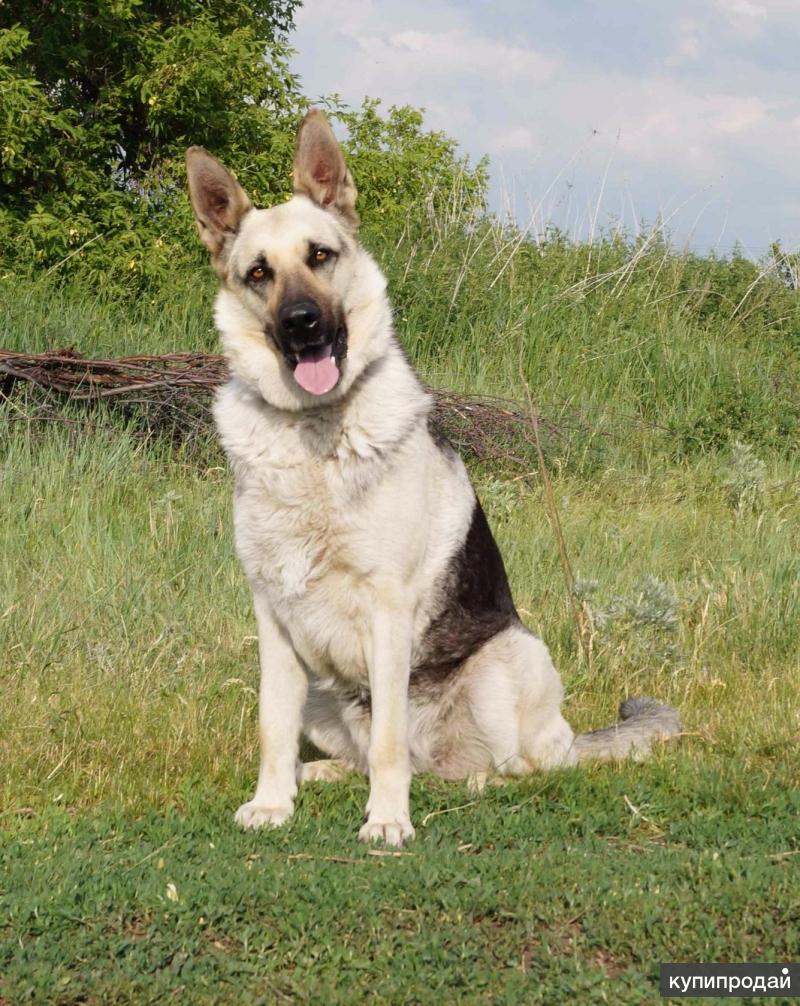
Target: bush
99,106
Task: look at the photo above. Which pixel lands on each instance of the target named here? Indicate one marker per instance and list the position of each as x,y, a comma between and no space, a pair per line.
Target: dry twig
169,394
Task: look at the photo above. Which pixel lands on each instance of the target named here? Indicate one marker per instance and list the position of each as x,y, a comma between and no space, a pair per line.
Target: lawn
128,661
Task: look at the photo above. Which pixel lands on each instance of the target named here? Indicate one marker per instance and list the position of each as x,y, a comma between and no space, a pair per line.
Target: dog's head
295,281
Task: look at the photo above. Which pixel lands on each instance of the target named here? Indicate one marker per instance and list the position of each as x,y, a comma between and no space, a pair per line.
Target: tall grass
672,381
638,350
128,658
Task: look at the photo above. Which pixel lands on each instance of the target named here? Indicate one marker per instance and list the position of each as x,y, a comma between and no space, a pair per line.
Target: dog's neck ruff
380,410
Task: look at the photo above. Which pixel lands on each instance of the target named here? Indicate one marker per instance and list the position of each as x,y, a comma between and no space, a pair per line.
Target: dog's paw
259,815
324,770
395,832
478,781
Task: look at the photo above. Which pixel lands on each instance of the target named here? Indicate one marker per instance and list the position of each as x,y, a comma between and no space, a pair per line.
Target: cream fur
347,516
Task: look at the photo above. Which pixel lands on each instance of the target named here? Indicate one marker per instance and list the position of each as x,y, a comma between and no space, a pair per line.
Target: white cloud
712,100
751,18
459,51
690,41
518,140
731,114
690,48
742,8
692,137
745,18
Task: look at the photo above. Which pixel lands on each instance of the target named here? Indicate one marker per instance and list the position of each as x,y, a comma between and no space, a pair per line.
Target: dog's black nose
300,319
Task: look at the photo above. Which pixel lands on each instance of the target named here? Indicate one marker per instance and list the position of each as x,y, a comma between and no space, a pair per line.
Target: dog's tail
642,721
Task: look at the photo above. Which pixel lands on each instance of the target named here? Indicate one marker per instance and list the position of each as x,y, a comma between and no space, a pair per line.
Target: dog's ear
218,200
320,171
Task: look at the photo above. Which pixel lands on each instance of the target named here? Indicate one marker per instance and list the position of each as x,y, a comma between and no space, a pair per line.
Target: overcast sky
592,111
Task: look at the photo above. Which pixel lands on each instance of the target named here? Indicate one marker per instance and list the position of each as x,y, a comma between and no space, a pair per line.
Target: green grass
547,892
128,664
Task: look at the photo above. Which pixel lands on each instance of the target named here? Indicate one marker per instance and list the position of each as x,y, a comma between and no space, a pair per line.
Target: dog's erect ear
218,200
320,171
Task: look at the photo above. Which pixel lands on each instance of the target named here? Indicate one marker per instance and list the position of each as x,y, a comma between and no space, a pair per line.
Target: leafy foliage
100,103
641,626
398,165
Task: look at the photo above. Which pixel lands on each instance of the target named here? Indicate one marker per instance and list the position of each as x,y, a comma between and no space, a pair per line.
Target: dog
387,630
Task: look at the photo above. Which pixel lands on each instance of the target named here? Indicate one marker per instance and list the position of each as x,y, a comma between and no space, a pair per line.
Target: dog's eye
320,255
257,273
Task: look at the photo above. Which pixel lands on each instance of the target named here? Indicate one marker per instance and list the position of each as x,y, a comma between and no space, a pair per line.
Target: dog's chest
292,532
297,518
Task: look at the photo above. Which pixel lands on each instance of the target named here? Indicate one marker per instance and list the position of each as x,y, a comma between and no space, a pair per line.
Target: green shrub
99,106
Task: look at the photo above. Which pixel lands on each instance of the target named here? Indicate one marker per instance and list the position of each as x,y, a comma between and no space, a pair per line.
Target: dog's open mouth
317,370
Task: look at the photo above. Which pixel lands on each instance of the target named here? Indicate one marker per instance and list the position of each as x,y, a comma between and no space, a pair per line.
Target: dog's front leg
387,816
281,697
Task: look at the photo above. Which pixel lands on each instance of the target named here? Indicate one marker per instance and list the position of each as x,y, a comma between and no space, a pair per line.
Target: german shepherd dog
387,631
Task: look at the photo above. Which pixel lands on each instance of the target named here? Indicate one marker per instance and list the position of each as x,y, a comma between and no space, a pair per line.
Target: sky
593,113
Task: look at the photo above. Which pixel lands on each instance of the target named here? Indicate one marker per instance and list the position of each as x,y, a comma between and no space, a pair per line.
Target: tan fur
218,200
320,171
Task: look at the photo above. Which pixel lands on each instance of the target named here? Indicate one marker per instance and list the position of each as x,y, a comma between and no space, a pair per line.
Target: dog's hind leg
333,726
325,770
515,699
337,724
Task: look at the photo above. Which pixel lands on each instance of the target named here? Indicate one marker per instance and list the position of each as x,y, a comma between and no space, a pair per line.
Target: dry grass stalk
582,628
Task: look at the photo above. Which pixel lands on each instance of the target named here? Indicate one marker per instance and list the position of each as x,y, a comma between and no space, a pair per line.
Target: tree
138,76
100,100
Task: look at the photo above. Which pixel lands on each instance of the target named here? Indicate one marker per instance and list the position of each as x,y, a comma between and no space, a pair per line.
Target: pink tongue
317,376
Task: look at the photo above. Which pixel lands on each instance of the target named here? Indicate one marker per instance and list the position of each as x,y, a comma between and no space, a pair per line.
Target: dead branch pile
169,395
82,378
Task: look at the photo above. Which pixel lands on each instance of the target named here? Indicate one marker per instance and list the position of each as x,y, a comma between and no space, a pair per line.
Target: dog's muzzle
312,345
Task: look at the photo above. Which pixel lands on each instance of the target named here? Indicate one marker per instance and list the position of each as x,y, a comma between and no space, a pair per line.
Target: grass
550,892
128,662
